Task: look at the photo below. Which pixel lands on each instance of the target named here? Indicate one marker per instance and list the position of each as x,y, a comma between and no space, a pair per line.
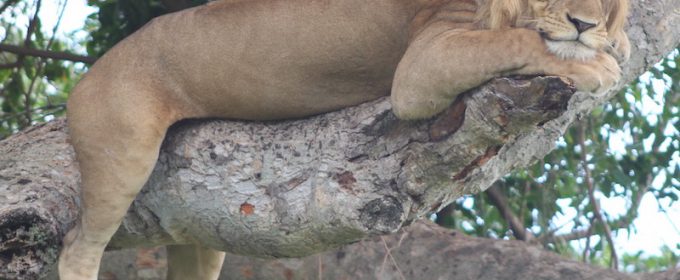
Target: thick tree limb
421,251
427,251
279,189
296,187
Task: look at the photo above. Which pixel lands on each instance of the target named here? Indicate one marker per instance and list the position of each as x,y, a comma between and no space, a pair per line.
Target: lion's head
573,29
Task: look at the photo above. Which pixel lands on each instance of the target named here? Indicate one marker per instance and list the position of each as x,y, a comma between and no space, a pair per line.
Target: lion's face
573,29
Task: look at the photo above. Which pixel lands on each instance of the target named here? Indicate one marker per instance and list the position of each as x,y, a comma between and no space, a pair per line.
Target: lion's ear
618,13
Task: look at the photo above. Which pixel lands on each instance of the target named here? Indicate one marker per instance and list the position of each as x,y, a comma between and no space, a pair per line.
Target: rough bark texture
428,251
421,251
38,199
293,188
283,189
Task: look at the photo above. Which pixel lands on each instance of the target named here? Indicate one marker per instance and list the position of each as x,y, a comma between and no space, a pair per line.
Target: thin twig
47,54
523,206
33,24
388,254
550,237
41,65
621,223
320,267
499,200
586,251
27,42
668,217
401,238
54,107
597,212
7,5
10,65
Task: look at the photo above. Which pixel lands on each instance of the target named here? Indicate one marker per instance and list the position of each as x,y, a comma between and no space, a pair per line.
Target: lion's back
290,57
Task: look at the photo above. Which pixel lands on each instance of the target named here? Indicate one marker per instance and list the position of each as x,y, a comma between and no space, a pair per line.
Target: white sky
653,228
72,22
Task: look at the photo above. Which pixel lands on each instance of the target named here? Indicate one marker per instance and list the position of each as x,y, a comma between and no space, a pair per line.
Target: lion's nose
581,26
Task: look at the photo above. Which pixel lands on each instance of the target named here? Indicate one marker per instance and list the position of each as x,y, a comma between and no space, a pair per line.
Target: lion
283,59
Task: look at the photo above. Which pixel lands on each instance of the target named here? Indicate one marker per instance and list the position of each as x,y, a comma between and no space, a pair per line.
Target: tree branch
27,94
586,251
10,65
499,200
421,251
47,54
597,212
427,251
312,184
7,4
317,182
47,109
29,110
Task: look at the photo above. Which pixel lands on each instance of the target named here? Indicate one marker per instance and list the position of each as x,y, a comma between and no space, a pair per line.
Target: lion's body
268,59
277,59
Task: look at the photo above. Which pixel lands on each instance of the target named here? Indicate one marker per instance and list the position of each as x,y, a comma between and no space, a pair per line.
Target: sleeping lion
282,59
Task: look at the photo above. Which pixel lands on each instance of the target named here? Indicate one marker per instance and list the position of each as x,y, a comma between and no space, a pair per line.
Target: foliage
31,89
627,149
620,152
35,89
639,263
118,19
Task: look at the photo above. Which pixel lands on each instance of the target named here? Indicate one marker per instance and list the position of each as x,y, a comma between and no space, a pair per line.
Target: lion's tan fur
499,14
274,59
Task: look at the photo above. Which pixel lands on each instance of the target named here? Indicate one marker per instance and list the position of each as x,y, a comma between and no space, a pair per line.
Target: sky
73,20
652,229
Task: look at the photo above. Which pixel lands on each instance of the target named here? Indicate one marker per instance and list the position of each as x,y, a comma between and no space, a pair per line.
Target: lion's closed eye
573,29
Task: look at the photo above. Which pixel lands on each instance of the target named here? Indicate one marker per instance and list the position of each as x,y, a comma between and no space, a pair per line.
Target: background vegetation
619,154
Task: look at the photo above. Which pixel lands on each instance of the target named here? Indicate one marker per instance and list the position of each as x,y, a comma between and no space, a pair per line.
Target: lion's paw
595,76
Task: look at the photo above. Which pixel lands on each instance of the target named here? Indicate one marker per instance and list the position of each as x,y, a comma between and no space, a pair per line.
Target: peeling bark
292,188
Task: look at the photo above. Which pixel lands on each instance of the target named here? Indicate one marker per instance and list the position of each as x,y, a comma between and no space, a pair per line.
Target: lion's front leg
439,65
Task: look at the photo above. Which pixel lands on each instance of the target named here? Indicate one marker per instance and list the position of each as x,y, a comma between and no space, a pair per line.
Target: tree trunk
293,188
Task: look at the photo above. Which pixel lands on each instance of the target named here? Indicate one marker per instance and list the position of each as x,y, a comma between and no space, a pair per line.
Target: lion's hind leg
193,262
117,139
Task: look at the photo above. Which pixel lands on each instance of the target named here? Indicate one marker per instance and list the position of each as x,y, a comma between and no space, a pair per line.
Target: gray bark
293,188
421,251
427,251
